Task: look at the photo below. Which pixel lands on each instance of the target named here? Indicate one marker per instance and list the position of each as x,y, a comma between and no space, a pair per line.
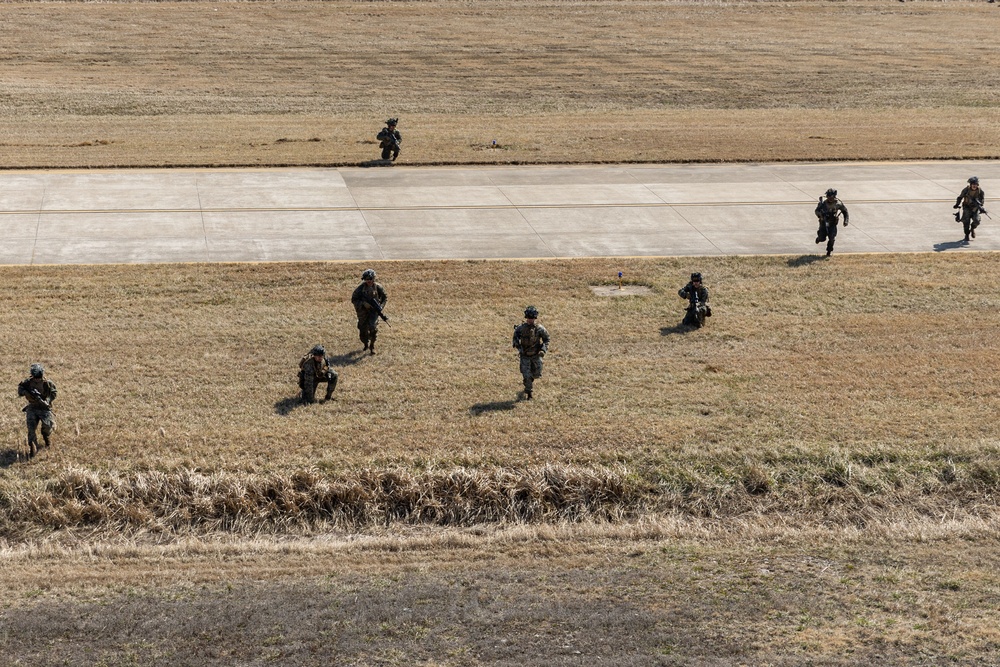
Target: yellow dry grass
845,391
278,83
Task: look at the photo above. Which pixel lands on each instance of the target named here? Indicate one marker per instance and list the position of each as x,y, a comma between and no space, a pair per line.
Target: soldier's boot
364,339
972,231
371,346
527,394
330,386
45,436
966,238
32,448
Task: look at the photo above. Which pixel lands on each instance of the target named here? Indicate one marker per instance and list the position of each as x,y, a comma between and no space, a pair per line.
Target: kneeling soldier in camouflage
531,340
40,392
314,369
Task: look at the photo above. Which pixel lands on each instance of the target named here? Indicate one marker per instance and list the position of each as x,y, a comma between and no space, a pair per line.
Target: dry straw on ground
279,83
848,391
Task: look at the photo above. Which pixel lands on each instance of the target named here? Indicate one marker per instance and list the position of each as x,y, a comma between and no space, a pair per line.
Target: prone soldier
40,392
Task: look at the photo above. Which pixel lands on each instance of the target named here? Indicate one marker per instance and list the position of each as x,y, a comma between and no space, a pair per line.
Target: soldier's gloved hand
956,205
845,223
541,353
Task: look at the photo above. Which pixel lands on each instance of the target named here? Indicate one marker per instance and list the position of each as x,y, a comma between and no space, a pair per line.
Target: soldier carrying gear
531,340
40,392
369,299
971,201
389,139
698,308
828,212
315,368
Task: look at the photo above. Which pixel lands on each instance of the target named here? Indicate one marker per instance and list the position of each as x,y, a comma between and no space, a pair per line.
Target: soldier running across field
971,202
369,299
698,308
829,211
40,392
314,368
390,139
531,340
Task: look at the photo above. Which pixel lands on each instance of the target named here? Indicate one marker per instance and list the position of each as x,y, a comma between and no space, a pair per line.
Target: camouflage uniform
38,410
531,340
315,368
368,315
829,211
697,296
389,140
971,202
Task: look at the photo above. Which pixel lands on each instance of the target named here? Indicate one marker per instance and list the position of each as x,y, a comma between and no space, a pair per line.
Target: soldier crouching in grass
531,340
40,392
697,296
314,368
389,140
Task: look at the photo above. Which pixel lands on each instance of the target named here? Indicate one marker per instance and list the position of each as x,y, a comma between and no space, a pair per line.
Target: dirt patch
624,290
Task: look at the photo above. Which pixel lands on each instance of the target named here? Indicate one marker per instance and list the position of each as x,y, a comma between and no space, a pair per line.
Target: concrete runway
399,212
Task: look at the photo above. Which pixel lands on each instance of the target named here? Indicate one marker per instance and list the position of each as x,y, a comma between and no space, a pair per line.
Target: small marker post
619,280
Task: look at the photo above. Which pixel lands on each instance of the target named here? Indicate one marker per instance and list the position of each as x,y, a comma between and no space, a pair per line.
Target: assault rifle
389,139
371,301
37,395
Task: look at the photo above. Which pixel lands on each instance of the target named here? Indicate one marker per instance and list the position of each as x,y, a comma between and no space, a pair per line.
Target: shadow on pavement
805,260
496,406
376,163
950,245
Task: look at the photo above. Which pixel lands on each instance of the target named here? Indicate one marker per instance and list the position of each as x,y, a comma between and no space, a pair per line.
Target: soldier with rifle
971,202
40,392
829,211
531,340
369,301
697,296
315,368
389,139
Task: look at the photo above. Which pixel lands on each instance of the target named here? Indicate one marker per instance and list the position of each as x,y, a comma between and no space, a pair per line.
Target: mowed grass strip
843,390
294,83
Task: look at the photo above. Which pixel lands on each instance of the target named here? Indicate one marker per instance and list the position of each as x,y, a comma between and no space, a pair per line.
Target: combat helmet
392,121
531,313
318,349
369,274
696,277
37,370
974,180
831,192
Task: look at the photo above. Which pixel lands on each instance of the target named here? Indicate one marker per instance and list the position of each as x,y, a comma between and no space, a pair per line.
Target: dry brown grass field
809,480
292,83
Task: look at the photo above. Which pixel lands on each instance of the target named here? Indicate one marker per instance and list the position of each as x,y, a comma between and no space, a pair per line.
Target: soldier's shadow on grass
285,406
9,457
950,245
495,406
677,329
349,359
376,163
805,260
